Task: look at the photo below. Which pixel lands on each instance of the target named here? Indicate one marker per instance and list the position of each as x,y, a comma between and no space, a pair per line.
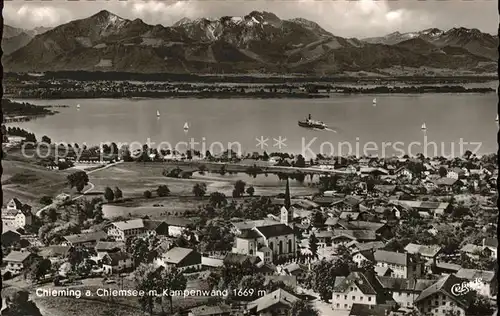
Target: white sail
374,100
78,106
186,125
496,118
423,126
157,113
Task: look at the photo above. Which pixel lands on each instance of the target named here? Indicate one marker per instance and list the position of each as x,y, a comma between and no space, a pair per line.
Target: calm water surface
353,119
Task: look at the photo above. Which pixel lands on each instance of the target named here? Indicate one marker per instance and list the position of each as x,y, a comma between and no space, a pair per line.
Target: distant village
382,236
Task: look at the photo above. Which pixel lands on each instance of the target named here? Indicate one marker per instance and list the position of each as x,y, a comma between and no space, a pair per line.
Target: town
365,236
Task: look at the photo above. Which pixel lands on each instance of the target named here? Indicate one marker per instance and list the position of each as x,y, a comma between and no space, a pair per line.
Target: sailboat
186,126
157,113
496,118
78,106
424,127
374,101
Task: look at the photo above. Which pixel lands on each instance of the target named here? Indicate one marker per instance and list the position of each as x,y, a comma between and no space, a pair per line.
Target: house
275,303
439,299
109,246
159,228
214,310
404,172
404,265
432,208
123,230
475,251
17,214
116,262
492,245
373,171
355,288
54,253
362,246
428,253
288,280
349,204
344,237
16,261
360,257
404,291
371,310
455,173
380,229
10,237
296,270
445,268
484,282
181,258
85,239
331,222
267,242
236,259
445,183
177,226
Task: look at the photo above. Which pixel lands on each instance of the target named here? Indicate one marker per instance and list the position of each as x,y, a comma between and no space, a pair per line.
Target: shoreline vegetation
14,111
243,78
166,90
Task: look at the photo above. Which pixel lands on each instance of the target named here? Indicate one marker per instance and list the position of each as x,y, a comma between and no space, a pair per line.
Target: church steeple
288,201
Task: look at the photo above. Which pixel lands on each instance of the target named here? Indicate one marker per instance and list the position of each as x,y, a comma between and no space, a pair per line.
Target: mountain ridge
259,42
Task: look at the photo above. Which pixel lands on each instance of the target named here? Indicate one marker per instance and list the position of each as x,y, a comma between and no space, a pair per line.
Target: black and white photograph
250,158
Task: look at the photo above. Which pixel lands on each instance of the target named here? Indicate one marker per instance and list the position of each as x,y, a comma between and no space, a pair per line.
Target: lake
455,122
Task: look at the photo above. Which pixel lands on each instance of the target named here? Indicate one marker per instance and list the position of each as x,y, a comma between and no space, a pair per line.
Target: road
92,186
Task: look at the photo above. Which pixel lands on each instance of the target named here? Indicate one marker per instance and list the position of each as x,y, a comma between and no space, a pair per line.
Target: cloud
31,15
359,18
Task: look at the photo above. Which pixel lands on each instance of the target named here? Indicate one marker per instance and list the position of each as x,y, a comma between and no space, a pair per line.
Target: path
92,186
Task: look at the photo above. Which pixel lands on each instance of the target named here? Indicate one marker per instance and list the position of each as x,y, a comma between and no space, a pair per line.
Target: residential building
276,303
177,225
10,237
214,310
181,258
17,215
355,288
371,310
16,261
55,253
403,265
456,173
475,251
404,291
492,245
483,281
438,299
123,230
116,262
85,239
428,253
432,208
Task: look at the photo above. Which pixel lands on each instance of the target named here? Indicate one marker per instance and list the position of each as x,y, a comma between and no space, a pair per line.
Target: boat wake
324,130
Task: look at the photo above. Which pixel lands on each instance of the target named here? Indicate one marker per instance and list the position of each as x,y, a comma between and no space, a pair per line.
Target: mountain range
259,42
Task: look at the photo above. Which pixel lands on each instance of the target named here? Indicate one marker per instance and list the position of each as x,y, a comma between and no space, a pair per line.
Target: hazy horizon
360,19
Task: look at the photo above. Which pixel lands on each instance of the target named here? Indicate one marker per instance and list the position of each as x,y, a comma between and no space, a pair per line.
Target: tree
163,190
118,193
78,180
147,194
39,268
171,280
313,245
218,199
108,194
442,172
254,282
239,188
250,190
76,256
302,308
46,139
321,275
199,189
300,162
46,200
143,249
18,303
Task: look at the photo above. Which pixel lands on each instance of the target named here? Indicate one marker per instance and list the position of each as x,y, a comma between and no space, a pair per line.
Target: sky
346,18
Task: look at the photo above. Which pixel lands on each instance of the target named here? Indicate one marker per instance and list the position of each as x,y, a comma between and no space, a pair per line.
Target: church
268,239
